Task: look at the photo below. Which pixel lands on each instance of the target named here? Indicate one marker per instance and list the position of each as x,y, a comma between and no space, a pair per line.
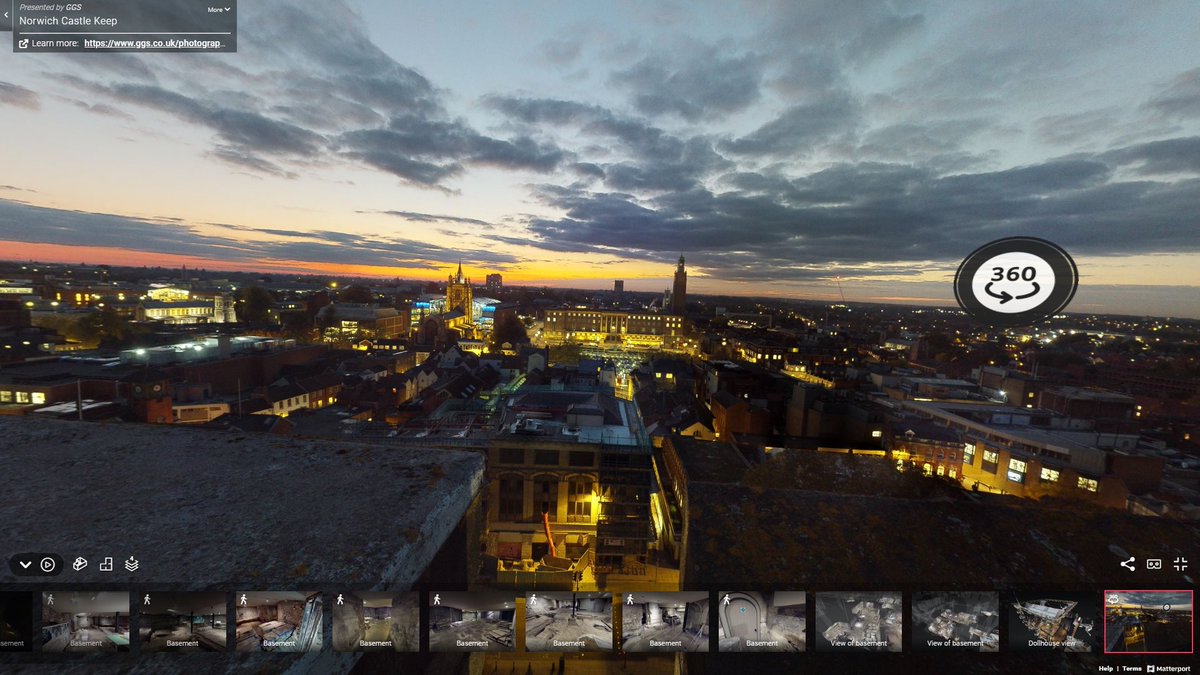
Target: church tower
679,291
459,295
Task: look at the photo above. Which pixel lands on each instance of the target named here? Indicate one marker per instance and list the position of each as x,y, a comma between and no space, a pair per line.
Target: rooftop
572,415
201,508
783,538
709,461
1090,394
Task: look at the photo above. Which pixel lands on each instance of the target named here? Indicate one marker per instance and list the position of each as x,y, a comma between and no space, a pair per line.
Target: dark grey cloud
322,92
799,129
705,83
1173,155
324,53
857,215
243,129
41,225
546,110
249,160
427,151
652,159
1181,98
434,218
927,140
856,32
1074,129
808,74
370,251
103,109
588,169
34,224
16,95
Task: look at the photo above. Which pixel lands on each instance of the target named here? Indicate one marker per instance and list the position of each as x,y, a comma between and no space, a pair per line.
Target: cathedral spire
459,277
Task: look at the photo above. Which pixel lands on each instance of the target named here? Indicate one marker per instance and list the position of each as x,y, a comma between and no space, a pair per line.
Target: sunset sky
777,145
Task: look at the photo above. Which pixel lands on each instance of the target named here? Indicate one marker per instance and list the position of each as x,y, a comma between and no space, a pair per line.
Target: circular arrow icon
1016,281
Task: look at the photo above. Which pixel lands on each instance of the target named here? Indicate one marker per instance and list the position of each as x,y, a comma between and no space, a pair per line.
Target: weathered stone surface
207,509
200,508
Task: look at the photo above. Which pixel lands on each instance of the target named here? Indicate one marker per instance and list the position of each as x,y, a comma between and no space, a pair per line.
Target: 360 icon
1016,281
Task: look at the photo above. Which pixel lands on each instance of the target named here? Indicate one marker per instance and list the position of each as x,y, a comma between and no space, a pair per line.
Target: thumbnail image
183,622
481,621
958,621
85,622
16,622
364,621
665,622
1149,622
278,621
762,622
1065,621
562,621
867,621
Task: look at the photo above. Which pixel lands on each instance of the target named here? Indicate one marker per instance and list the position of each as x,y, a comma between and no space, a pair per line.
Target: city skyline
781,148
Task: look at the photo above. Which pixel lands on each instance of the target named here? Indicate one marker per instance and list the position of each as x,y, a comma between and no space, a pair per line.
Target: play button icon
36,564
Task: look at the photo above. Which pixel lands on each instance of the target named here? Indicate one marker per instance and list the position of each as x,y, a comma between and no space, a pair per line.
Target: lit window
1016,471
1087,484
38,397
22,397
969,453
1049,476
6,397
877,434
990,456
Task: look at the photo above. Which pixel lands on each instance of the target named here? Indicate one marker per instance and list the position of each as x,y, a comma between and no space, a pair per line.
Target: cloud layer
803,141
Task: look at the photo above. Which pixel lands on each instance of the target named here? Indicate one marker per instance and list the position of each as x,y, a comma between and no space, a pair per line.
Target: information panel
124,26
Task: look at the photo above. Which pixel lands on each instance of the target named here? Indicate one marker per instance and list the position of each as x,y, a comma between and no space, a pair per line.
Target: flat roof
1091,394
1031,435
782,538
709,461
202,508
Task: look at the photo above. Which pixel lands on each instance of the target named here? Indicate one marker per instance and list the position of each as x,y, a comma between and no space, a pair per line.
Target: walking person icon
243,600
629,599
341,600
725,602
146,600
437,599
50,599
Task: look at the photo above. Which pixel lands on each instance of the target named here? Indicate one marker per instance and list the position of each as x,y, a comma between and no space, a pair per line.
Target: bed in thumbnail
278,621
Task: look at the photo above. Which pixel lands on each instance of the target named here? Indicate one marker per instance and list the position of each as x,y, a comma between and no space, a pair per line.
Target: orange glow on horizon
106,255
